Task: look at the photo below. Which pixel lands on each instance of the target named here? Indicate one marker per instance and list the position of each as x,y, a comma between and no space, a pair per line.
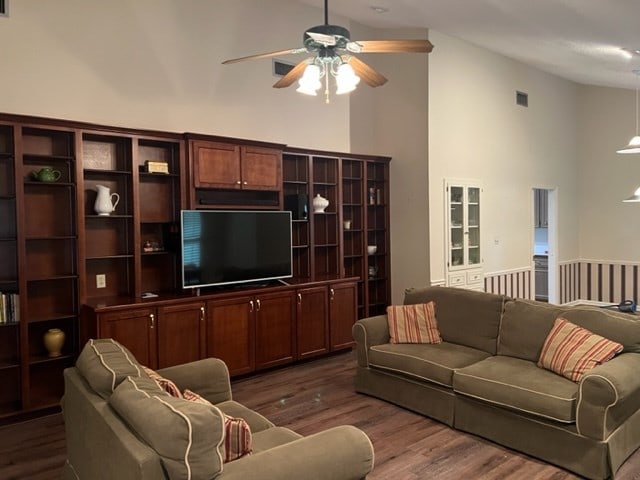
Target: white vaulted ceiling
580,40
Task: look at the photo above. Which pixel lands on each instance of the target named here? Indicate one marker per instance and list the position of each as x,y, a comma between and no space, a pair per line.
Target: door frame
552,239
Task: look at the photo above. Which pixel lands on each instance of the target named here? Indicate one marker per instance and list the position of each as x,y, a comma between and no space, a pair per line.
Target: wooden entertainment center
71,269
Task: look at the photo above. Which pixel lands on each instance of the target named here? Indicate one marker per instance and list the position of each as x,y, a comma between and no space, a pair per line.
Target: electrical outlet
101,280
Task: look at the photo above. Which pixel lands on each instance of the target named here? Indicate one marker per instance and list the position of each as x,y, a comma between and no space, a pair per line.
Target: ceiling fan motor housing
341,37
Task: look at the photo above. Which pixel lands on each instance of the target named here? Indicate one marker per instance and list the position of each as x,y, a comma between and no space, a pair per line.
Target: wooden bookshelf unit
65,266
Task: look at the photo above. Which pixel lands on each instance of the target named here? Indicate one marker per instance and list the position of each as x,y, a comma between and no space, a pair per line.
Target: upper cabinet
541,208
228,173
464,256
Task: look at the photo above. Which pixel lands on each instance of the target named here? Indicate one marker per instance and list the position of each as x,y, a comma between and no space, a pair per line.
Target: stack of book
9,308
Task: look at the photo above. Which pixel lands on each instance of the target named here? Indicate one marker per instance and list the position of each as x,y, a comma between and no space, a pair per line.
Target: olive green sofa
121,425
483,378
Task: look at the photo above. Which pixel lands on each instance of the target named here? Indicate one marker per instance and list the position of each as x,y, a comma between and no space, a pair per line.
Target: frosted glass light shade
635,197
633,147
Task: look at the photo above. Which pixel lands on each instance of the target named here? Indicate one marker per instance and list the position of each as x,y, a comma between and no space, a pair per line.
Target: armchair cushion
186,435
104,363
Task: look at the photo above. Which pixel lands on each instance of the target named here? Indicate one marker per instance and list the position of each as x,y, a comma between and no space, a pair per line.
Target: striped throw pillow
413,323
570,350
164,383
238,441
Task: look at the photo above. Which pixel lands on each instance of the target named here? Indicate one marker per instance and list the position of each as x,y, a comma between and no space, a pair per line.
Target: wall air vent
280,69
522,99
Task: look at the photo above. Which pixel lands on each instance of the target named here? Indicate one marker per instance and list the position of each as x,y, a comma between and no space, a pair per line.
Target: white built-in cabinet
463,200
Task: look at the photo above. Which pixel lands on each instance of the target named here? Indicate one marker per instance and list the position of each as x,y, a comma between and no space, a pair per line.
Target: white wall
392,120
609,228
477,131
156,64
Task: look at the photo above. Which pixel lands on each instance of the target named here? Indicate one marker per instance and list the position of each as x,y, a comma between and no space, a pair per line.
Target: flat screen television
225,247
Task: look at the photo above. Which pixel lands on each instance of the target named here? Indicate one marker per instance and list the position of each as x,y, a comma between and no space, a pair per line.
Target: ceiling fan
333,53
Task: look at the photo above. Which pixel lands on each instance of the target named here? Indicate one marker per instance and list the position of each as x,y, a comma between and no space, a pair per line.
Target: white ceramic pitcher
105,201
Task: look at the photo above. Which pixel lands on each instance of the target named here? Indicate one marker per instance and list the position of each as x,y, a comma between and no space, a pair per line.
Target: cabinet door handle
332,293
299,299
238,182
244,183
202,314
251,306
258,305
153,320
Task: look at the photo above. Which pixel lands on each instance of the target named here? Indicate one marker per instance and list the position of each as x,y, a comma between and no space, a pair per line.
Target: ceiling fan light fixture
634,143
346,79
633,198
309,83
633,147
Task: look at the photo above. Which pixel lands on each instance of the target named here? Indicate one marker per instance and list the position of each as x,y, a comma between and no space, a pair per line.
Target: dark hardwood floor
311,397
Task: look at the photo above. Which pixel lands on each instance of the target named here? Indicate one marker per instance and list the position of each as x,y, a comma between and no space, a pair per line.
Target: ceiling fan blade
322,38
390,46
294,74
265,55
366,73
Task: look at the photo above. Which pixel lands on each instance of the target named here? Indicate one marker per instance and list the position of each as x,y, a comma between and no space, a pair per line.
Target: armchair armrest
339,453
208,377
608,395
368,332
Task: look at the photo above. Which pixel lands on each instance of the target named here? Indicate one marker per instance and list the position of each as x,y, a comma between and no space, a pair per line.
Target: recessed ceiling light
379,9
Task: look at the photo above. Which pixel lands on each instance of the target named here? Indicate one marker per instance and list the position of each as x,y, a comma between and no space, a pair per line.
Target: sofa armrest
608,395
368,332
208,377
339,453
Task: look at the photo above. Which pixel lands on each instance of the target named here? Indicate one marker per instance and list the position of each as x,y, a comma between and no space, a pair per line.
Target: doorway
544,244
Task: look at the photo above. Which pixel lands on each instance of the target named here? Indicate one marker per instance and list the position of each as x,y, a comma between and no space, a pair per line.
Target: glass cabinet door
473,225
464,226
456,226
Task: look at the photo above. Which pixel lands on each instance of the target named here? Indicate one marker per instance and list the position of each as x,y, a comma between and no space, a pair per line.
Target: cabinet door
275,329
216,165
312,321
342,314
135,329
181,334
261,168
230,333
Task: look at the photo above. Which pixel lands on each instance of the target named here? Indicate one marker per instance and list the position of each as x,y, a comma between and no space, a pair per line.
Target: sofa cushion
186,435
526,323
104,363
465,317
571,351
519,385
433,362
413,323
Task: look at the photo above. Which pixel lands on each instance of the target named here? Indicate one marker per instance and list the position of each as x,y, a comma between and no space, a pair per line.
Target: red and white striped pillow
238,441
413,323
164,383
570,350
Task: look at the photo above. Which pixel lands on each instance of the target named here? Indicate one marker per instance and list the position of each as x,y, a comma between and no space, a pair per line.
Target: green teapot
46,174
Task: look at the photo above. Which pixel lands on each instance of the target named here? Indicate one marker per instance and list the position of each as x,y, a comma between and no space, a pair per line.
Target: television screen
221,247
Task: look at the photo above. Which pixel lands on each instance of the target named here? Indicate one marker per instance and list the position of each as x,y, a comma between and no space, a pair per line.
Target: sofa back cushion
465,317
104,363
186,435
526,324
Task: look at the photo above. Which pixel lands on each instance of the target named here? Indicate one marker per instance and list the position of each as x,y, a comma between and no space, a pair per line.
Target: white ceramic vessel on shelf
105,201
319,204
